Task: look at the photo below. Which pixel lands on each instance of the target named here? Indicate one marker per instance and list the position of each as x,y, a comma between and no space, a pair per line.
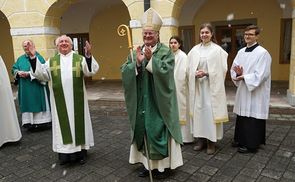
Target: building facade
97,21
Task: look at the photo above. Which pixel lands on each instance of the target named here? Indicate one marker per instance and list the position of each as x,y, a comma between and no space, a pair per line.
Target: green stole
78,100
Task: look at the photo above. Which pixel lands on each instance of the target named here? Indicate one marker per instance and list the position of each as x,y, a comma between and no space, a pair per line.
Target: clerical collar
250,49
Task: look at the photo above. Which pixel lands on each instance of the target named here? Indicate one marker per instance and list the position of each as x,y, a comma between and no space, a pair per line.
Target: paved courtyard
32,159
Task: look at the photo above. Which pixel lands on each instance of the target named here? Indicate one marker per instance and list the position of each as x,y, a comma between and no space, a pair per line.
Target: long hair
210,27
178,39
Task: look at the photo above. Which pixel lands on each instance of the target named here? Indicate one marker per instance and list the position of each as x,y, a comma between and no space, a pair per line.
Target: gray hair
58,39
28,40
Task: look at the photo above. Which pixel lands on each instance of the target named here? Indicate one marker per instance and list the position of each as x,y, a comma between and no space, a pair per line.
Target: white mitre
151,20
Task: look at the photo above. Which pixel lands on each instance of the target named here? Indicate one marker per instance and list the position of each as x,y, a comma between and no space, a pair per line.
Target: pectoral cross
54,68
77,69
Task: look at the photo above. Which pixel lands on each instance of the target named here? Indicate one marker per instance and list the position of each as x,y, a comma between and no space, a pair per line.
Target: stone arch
57,7
6,47
60,16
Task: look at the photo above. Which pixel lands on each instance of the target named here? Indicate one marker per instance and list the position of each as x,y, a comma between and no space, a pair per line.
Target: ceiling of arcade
23,13
49,12
189,8
58,7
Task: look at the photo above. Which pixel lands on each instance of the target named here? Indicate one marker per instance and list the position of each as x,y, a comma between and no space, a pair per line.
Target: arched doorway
6,48
96,21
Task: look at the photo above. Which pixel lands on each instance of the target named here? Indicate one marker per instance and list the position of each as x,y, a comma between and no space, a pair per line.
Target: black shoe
63,158
245,150
161,175
81,156
234,144
45,126
29,127
82,161
63,162
48,125
143,173
34,128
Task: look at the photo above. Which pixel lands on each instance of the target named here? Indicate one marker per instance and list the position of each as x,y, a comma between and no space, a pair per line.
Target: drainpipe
147,4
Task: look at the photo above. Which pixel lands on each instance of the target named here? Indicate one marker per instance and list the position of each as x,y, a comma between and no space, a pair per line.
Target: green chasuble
78,100
151,102
31,94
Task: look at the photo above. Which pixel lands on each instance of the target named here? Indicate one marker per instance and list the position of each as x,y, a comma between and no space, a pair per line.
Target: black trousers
249,132
81,155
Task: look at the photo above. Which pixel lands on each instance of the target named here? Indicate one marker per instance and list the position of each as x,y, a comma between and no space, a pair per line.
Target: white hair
28,40
57,40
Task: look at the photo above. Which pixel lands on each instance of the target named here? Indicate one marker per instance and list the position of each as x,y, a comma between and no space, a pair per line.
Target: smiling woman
208,110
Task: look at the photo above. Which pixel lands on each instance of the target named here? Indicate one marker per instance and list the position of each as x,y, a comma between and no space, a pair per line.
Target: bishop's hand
139,56
148,52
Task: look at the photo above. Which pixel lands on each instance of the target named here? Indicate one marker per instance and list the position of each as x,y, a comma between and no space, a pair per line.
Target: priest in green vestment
33,94
150,96
71,124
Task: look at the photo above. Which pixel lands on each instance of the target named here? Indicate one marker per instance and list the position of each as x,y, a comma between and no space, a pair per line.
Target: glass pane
240,39
226,42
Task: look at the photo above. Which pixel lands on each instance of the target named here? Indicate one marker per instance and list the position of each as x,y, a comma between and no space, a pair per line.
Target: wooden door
187,35
79,40
231,39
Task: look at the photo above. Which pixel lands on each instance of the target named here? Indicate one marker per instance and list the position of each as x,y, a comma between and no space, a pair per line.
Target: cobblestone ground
32,158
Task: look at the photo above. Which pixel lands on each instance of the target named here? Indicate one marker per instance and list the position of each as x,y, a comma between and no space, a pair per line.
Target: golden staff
122,29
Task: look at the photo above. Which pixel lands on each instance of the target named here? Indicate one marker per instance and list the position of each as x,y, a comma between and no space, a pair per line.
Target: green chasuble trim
151,103
78,100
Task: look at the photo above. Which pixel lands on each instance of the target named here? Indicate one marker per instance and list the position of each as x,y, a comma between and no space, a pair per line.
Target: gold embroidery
54,68
77,69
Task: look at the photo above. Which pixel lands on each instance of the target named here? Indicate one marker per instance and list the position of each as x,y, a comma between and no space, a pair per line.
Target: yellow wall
108,48
6,48
111,50
268,15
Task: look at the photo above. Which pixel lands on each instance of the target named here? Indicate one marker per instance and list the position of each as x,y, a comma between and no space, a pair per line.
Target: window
285,43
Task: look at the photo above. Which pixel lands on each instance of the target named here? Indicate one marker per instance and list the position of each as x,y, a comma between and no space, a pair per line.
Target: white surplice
9,125
173,160
253,93
43,73
181,84
208,106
